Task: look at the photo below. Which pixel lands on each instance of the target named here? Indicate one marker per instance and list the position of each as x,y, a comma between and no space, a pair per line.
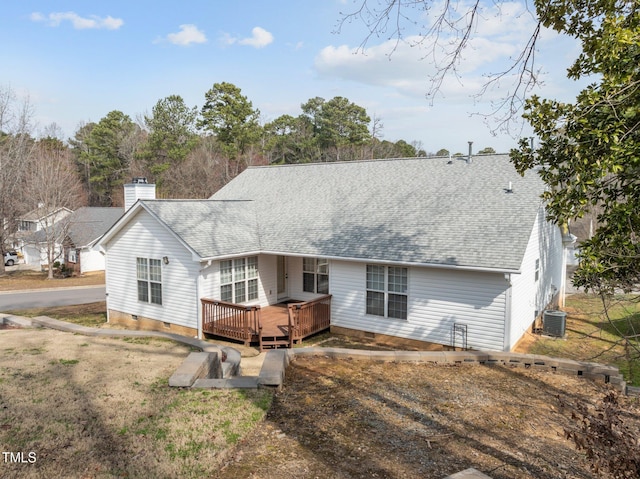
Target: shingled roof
420,211
88,224
83,227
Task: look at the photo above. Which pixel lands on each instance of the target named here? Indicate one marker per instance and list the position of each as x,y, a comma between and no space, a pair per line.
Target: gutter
368,260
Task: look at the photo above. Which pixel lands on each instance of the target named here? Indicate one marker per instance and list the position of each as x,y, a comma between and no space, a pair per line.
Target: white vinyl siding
540,278
144,237
437,299
91,260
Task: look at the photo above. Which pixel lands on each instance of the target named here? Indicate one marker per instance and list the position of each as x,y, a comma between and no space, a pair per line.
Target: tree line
191,152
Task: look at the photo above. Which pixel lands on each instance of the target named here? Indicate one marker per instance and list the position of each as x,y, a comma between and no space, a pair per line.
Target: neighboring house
75,237
41,218
86,226
32,228
452,252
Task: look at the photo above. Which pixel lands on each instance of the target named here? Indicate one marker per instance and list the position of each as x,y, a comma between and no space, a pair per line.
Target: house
72,236
85,227
41,218
429,252
39,221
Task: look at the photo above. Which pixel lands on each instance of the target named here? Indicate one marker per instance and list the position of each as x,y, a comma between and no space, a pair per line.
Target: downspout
199,297
507,314
106,284
198,306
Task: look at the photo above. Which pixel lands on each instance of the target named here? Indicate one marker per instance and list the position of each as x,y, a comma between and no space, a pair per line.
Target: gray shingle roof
211,228
83,227
87,224
408,210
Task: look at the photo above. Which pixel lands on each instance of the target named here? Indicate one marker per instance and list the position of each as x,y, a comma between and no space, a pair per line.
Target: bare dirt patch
351,419
101,408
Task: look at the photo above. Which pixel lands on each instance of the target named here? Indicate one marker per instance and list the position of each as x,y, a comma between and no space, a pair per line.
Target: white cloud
187,35
78,22
259,38
404,71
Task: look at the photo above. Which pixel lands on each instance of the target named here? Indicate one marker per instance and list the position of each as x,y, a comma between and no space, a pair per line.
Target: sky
78,60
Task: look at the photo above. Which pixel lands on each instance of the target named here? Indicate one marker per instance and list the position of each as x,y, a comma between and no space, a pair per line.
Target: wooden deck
270,326
275,320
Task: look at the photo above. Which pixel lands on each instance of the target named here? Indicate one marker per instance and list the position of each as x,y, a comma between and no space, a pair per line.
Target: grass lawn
23,280
591,337
102,408
93,315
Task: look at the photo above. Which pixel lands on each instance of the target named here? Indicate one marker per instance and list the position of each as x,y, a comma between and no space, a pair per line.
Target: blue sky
77,60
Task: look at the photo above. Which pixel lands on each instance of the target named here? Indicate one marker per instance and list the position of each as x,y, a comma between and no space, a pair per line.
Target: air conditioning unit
554,323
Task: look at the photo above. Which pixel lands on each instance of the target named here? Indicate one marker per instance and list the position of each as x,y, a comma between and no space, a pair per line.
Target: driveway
16,300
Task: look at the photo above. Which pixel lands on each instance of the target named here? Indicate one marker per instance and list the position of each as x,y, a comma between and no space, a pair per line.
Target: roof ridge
376,160
193,200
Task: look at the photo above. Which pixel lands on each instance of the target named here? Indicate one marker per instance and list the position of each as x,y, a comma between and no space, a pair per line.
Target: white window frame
149,276
537,270
239,280
382,287
73,256
317,270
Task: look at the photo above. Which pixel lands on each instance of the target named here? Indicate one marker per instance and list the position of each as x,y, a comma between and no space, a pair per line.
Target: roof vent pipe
470,149
509,189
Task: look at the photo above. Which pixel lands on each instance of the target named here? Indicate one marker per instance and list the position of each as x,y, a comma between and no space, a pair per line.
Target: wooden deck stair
274,342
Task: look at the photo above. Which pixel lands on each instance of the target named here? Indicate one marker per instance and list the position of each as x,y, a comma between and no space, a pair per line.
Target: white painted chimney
138,189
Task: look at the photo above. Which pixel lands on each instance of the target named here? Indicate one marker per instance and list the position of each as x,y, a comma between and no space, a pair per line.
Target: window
73,256
387,288
315,275
26,226
239,280
537,275
149,272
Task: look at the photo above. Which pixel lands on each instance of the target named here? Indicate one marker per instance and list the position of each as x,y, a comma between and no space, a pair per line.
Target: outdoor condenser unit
554,323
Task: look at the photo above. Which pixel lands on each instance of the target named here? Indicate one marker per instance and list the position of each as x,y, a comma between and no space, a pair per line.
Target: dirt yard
351,419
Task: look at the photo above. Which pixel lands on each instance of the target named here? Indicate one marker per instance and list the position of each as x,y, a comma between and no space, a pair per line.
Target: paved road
13,300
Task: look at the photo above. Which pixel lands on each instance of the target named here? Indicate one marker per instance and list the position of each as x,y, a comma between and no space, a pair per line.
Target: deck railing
231,320
309,318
